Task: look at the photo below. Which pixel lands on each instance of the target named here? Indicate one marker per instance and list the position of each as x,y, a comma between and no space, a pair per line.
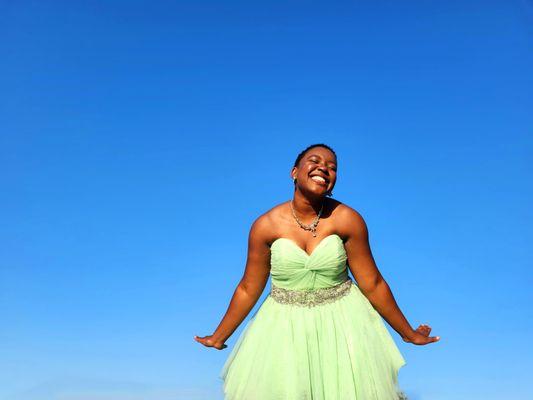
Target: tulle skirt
335,351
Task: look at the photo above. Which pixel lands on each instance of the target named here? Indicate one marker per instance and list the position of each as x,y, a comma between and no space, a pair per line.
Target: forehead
321,152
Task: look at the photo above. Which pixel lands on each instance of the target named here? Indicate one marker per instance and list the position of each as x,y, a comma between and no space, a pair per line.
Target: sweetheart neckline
302,250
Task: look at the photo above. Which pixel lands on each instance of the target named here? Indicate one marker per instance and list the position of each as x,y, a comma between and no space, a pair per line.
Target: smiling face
317,171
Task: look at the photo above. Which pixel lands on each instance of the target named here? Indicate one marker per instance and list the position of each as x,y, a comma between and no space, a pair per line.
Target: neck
305,206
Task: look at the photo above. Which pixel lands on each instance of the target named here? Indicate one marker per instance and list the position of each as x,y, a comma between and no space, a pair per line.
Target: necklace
312,226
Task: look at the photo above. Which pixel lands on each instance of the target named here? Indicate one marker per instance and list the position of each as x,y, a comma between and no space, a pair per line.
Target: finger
423,330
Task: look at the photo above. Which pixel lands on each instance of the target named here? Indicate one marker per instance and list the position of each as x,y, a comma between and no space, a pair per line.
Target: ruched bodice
292,268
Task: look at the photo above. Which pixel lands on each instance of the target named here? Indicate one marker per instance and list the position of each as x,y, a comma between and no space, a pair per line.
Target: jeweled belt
310,297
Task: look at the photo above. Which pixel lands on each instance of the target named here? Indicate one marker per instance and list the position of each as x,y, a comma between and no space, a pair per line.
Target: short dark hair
302,153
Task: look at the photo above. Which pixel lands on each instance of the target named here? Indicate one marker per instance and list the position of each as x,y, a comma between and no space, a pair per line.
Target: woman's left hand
420,336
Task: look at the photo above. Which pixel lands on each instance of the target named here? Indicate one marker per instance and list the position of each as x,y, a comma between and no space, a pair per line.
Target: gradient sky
140,140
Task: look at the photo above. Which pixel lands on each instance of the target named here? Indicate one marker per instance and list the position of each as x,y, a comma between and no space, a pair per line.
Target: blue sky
140,140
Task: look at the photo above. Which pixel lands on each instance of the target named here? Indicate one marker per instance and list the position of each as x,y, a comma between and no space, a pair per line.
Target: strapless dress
315,336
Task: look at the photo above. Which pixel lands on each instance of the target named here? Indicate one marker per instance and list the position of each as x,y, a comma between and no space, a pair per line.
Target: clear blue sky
140,140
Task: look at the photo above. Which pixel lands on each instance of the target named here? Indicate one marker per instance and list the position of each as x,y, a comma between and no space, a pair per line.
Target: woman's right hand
209,341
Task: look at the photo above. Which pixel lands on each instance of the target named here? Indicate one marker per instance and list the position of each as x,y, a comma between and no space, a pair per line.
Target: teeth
318,179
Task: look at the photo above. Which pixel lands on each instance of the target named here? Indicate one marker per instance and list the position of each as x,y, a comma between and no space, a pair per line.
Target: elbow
250,289
372,285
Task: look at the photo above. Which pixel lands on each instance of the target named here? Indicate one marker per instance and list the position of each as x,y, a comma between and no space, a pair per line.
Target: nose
322,167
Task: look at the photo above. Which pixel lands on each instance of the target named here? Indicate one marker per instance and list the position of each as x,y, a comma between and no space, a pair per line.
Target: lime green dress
303,346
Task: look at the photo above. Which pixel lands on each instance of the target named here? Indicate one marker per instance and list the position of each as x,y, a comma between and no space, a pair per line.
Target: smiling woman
318,335
319,176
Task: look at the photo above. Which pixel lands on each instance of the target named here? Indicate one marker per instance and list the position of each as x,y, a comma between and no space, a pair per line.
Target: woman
317,335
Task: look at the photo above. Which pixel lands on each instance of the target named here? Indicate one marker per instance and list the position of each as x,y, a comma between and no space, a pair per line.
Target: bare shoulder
346,212
263,227
350,221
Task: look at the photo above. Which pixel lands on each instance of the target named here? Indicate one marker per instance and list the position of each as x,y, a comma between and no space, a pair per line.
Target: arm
371,282
249,288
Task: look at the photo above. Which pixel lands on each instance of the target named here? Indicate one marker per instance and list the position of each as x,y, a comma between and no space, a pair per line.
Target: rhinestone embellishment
310,297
